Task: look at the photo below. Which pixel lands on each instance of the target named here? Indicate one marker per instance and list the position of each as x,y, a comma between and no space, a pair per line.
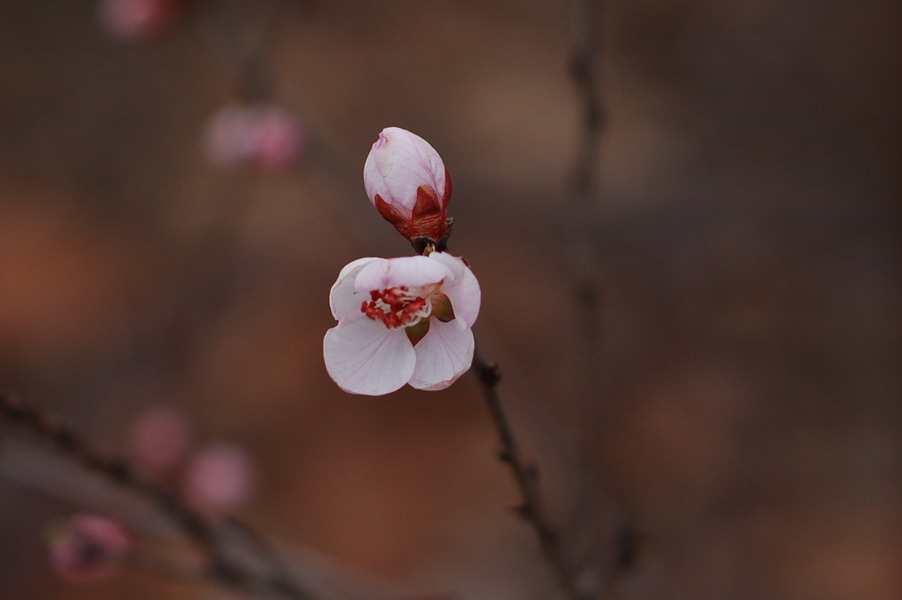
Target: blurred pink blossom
409,185
219,478
401,320
88,547
136,20
265,136
159,438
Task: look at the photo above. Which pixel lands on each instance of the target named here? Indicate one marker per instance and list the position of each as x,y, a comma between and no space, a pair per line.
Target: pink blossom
219,478
260,135
88,547
409,185
401,320
159,438
134,20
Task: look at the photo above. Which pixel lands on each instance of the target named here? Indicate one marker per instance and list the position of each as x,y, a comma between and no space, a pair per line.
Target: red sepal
388,212
428,222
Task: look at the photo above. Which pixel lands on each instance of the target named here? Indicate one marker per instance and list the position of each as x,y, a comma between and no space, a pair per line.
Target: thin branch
584,184
532,508
584,192
280,573
159,565
221,568
249,58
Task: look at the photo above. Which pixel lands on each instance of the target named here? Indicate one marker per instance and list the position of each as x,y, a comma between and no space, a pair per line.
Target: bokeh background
743,407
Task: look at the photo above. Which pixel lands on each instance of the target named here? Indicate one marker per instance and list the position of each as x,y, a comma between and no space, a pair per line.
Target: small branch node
489,373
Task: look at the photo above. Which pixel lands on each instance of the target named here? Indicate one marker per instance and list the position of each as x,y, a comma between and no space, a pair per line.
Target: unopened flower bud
219,478
409,185
88,547
259,135
136,20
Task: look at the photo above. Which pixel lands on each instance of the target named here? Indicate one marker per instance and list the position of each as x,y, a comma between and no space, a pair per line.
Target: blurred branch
221,568
584,200
584,184
584,192
249,58
526,474
40,470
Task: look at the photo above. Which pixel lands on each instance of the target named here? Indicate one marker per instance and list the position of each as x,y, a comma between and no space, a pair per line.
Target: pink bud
136,20
88,547
409,185
220,478
260,135
159,438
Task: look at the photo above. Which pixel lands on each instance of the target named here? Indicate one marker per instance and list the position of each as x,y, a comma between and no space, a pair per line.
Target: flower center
398,306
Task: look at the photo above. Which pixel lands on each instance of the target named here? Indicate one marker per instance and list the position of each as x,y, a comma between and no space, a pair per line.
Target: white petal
344,300
398,163
366,357
411,271
463,289
442,356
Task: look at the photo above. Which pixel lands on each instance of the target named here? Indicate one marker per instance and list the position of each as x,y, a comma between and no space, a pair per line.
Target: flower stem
526,474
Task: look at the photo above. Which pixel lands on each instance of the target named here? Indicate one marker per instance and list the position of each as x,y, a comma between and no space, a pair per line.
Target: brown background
746,410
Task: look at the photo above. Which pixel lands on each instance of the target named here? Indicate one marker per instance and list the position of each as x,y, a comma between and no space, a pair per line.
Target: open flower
401,320
409,185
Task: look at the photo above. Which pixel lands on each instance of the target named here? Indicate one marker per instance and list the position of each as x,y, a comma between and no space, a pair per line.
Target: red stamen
395,306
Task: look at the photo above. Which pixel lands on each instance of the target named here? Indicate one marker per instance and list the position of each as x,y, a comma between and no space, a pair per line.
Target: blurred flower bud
279,138
260,135
159,438
88,547
408,184
219,478
136,20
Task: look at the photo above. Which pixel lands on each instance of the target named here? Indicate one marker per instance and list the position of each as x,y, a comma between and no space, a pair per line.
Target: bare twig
584,185
526,474
244,42
221,567
584,192
159,565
